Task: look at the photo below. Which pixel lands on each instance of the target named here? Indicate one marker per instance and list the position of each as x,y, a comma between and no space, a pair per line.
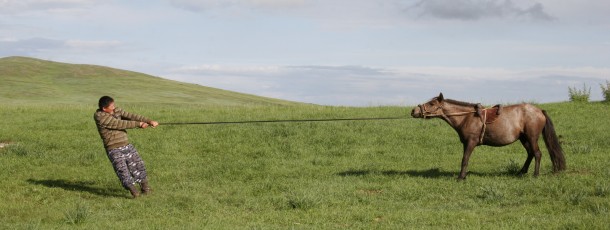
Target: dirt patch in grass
4,144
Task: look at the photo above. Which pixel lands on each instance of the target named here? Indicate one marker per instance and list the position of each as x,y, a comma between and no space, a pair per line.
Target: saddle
489,114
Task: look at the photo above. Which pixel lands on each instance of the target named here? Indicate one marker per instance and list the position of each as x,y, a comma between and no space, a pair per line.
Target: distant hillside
29,80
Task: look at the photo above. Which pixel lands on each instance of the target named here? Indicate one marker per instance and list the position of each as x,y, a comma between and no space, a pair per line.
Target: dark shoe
134,191
145,188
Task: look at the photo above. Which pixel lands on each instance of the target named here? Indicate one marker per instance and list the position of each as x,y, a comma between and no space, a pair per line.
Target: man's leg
119,163
137,169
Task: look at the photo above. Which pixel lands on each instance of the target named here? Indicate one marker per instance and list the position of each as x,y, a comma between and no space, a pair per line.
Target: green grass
390,174
393,174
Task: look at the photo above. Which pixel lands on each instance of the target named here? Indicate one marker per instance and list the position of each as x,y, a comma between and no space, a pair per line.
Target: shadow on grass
430,173
83,186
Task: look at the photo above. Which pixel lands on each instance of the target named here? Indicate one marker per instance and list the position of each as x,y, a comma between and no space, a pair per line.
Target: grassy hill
390,174
26,80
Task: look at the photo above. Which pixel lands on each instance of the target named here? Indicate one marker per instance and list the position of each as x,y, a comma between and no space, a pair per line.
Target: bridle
425,113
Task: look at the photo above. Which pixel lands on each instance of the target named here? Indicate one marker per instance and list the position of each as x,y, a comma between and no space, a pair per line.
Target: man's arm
109,122
136,117
131,116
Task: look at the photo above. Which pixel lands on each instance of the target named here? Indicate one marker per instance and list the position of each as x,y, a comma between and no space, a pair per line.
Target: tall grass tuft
576,198
579,95
606,91
601,190
79,215
598,208
580,149
302,201
491,194
512,167
18,150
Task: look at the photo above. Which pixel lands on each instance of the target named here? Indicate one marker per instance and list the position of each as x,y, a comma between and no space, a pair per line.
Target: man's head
106,104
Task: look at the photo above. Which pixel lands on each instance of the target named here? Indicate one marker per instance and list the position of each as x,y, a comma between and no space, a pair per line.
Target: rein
426,113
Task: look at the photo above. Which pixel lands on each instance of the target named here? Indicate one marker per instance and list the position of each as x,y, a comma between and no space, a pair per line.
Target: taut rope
276,121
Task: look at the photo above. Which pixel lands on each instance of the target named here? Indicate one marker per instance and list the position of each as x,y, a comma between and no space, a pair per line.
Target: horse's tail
552,145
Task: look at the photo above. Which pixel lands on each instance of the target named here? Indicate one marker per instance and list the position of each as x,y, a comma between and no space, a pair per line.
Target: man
112,124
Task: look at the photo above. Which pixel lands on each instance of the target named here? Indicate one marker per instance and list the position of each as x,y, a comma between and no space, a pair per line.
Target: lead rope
484,120
277,121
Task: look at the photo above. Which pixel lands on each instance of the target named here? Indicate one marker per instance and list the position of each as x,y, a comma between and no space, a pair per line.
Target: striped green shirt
112,127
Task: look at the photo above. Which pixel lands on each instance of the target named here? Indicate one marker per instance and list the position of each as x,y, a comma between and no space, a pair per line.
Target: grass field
392,174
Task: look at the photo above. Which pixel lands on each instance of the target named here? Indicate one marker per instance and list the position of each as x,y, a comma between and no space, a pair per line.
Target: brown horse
522,122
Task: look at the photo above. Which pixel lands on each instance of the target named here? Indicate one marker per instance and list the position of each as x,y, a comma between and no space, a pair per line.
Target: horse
523,122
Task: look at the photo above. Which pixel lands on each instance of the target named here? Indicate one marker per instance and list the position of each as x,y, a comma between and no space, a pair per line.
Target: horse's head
432,108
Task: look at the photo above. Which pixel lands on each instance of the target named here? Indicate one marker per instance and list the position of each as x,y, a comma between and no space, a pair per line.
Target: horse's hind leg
533,143
537,156
530,155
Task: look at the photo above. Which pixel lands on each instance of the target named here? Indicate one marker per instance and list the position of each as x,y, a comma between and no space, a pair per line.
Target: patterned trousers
128,165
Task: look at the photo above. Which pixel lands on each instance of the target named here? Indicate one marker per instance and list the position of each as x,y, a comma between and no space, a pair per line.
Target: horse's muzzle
416,112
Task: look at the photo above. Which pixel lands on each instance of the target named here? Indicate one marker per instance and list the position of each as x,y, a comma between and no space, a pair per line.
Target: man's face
109,108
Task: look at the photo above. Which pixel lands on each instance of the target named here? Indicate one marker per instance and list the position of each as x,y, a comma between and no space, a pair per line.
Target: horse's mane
460,103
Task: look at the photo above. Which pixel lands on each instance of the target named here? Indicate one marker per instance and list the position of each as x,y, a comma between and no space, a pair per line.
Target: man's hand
154,123
143,125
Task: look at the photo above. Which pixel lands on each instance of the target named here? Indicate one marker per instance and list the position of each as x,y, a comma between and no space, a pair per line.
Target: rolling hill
29,80
390,174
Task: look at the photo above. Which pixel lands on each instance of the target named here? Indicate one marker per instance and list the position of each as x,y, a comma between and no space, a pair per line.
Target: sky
331,52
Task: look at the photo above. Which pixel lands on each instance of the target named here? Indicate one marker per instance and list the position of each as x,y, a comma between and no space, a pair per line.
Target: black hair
105,101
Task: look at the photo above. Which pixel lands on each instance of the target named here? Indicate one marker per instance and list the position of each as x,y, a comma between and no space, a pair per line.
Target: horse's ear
440,97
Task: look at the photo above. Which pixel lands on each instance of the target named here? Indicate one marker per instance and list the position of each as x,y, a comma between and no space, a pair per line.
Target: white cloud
362,86
362,13
93,45
36,46
57,6
10,46
207,5
501,74
339,70
477,9
227,70
277,3
583,12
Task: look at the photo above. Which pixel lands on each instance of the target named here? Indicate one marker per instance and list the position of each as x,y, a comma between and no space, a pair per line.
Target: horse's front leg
468,148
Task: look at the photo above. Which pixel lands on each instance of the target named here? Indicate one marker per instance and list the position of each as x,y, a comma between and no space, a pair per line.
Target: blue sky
332,52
